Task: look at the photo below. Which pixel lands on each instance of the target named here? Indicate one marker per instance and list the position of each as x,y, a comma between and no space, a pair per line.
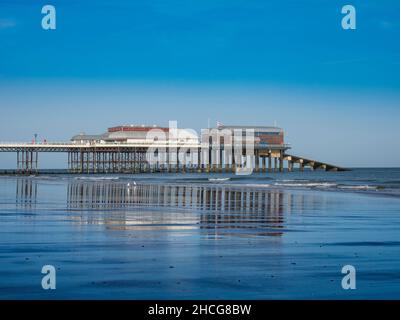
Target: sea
201,236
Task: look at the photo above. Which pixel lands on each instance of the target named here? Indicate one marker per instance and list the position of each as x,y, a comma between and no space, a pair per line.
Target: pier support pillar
169,161
18,163
80,159
27,161
220,159
227,162
198,165
233,167
290,166
269,163
264,167
257,162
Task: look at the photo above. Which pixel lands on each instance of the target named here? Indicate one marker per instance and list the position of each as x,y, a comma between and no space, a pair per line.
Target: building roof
181,134
124,135
255,128
83,136
136,128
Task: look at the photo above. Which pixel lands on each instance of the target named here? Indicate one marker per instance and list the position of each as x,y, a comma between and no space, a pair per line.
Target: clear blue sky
335,92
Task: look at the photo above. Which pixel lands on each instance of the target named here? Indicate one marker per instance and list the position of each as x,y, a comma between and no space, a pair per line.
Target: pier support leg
257,160
177,161
264,166
199,164
227,162
36,162
269,163
233,160
220,158
214,159
281,162
18,163
81,162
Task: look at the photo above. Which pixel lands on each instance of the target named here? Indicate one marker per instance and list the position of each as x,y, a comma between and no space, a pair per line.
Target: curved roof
83,136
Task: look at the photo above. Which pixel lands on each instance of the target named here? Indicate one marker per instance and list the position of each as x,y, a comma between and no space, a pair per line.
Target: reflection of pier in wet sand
26,192
228,209
215,209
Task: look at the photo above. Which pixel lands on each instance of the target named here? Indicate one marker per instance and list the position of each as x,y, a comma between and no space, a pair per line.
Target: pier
133,159
140,149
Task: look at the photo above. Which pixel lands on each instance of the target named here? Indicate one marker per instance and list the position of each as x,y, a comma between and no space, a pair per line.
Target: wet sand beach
182,238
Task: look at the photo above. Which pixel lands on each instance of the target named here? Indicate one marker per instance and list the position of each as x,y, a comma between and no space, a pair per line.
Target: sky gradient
336,92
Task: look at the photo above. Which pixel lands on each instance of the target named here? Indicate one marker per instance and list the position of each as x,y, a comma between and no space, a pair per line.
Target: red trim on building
136,129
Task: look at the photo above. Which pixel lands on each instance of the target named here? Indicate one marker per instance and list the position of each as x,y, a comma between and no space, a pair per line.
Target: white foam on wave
307,184
218,179
97,178
363,187
256,185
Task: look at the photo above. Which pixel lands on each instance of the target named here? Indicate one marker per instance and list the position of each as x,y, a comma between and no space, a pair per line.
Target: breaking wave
307,184
366,187
97,178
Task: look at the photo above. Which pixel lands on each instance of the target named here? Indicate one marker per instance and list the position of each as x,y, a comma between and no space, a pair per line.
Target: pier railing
6,146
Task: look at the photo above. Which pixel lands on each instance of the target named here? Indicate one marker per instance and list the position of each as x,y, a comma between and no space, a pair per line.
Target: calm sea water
198,236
